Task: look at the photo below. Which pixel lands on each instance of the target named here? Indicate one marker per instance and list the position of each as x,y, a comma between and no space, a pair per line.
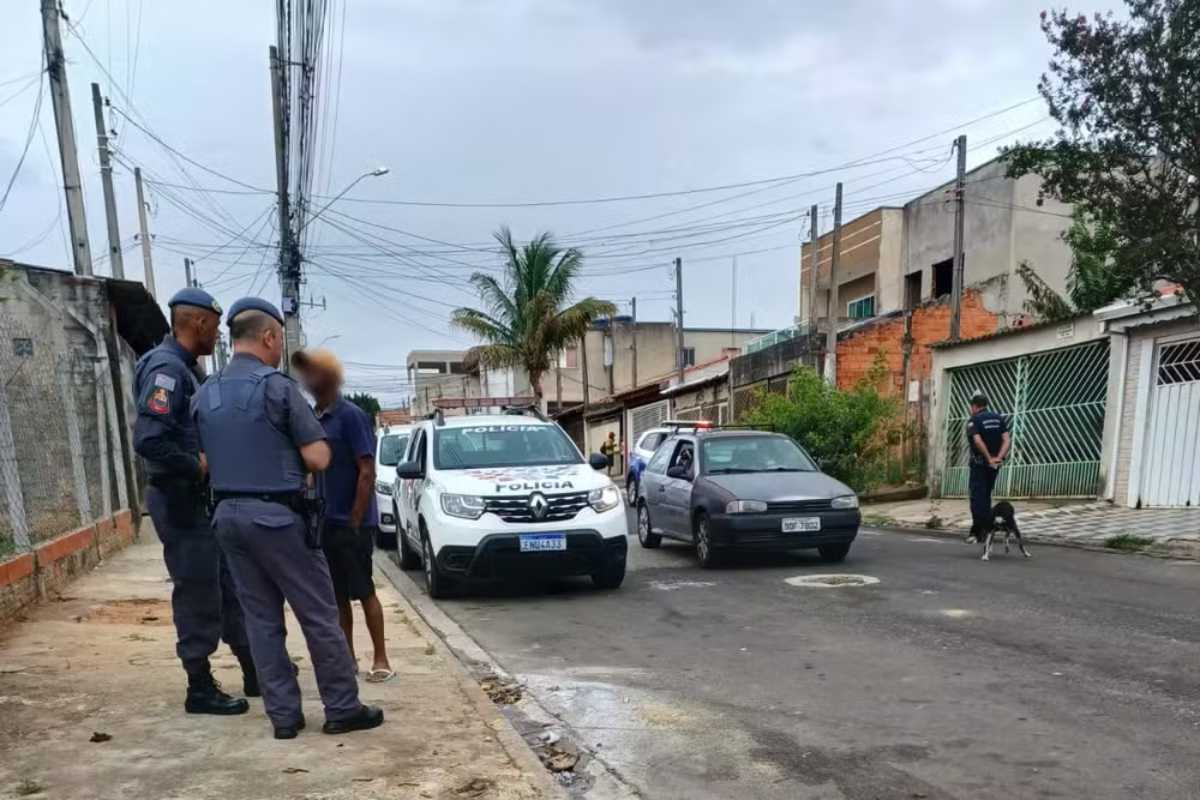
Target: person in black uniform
203,601
988,442
261,438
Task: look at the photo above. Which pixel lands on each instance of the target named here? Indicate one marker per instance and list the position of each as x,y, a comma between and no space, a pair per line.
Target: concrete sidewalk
1172,532
100,663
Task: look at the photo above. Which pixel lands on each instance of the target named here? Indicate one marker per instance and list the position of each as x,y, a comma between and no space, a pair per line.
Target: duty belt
293,500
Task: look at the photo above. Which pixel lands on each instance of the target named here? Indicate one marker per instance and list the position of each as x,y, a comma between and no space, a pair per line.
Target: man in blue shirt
988,442
348,489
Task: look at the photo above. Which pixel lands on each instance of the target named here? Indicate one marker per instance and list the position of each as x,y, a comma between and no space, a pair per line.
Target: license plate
801,524
542,542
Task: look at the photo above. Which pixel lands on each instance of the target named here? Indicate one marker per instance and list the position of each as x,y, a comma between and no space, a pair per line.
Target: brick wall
858,350
29,577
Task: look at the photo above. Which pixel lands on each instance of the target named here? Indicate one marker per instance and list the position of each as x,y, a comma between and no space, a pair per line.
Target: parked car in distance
493,496
722,490
643,450
390,444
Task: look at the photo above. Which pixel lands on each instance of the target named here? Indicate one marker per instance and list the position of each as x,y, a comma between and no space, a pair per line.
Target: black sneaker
204,696
290,731
366,718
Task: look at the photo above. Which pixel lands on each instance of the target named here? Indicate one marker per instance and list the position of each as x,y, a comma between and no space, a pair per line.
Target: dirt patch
133,611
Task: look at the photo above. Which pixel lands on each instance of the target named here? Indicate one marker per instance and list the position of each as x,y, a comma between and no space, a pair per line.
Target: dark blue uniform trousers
271,563
981,481
204,603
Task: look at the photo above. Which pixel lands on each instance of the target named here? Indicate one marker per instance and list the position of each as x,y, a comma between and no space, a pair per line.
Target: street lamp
375,173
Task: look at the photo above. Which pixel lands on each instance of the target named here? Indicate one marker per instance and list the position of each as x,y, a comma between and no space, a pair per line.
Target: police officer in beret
988,442
261,438
203,601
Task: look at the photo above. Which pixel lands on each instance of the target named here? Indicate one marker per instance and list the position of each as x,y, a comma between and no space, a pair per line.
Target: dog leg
987,546
1007,539
1021,544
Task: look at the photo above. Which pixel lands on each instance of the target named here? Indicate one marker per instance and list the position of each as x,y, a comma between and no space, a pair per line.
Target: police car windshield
391,448
755,454
502,446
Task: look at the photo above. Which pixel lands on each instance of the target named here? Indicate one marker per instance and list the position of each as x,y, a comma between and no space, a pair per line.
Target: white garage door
1172,473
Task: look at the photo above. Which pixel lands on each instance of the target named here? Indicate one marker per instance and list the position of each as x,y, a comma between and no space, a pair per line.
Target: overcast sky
509,102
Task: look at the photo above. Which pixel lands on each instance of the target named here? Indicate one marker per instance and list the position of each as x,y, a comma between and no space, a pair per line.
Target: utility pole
289,258
633,344
587,438
147,264
64,126
733,304
814,225
679,359
831,340
115,258
188,281
956,290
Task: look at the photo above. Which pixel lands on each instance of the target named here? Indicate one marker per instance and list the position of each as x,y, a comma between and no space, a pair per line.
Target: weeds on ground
27,788
1128,543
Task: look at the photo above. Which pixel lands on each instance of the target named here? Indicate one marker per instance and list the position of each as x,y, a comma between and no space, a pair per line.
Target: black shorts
348,551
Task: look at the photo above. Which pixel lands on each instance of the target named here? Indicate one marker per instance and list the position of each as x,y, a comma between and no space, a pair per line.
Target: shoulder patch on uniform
164,381
160,401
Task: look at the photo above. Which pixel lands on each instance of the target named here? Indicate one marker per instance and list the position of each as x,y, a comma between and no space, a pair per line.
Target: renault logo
538,505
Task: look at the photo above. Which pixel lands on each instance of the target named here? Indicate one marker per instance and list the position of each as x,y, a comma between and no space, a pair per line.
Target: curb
958,533
515,746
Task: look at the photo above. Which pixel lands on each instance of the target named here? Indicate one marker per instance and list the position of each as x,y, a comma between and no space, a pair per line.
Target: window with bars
1179,363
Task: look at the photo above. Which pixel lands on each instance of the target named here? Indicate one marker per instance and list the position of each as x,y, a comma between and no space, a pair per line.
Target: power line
33,124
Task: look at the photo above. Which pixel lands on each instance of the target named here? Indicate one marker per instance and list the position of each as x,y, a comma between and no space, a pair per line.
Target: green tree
366,402
1126,93
528,317
1092,281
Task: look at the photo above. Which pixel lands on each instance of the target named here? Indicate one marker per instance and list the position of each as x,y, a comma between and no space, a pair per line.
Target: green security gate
1054,402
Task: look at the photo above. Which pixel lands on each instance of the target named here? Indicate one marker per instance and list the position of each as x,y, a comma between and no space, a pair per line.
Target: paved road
1074,675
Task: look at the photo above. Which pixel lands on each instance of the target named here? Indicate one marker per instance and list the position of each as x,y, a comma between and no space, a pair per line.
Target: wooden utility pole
679,359
289,258
956,290
64,125
147,264
116,259
633,337
831,337
814,226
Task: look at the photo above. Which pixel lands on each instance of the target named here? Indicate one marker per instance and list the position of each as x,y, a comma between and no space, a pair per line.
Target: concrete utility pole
187,273
633,335
289,259
814,225
115,257
831,337
733,304
679,356
587,437
64,126
956,290
147,264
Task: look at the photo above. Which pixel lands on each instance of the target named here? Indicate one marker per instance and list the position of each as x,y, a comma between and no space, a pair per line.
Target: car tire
409,558
610,576
632,490
701,538
646,536
436,583
833,553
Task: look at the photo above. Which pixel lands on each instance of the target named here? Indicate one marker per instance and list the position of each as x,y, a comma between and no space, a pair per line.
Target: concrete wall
870,243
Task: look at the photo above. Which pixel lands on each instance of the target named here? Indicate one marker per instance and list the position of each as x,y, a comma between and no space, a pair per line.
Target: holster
313,512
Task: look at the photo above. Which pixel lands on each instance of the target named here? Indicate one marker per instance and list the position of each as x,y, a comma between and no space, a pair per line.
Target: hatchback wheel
703,540
646,536
833,553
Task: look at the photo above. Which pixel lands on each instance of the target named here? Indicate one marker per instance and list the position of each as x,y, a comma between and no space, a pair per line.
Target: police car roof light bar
530,410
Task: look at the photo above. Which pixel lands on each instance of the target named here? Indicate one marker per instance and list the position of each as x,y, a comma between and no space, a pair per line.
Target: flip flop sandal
380,675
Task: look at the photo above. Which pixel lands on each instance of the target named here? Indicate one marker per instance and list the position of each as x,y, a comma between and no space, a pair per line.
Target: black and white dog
1004,518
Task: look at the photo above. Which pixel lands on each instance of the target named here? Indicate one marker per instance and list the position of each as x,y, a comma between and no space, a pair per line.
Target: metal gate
1171,476
1054,402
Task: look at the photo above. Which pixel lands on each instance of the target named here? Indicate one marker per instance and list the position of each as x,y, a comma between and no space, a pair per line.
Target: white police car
487,497
390,444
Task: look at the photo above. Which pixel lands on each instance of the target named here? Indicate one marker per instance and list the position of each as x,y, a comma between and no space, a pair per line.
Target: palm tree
528,316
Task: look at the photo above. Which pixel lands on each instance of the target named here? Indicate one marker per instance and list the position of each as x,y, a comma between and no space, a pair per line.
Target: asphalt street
1072,675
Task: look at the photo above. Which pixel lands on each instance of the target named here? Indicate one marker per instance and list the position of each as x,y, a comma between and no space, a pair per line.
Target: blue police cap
192,296
253,304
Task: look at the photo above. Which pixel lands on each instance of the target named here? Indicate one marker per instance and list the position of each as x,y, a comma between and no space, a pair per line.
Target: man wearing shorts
348,489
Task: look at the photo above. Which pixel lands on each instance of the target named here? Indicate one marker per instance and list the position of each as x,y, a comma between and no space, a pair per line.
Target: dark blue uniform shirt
350,437
287,409
164,434
991,427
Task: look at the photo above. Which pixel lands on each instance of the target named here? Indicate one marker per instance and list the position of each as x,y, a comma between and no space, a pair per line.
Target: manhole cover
831,581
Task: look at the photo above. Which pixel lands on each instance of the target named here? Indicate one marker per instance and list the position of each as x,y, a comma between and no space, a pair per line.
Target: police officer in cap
988,442
260,437
203,601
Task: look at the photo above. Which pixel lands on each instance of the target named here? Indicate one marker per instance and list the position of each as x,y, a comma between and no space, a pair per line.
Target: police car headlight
465,506
604,499
383,488
845,501
745,506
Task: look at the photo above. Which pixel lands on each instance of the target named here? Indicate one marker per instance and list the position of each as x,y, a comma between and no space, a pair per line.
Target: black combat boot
290,731
365,718
204,696
250,686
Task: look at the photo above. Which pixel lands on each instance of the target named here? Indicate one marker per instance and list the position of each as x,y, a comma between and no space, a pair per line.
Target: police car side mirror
598,461
409,470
